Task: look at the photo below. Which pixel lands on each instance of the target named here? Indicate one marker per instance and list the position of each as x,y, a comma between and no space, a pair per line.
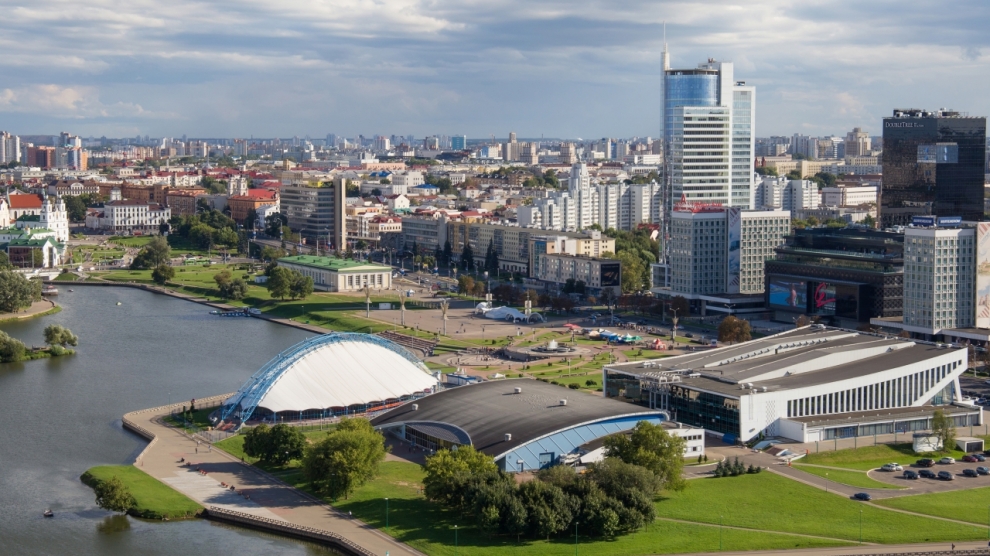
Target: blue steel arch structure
247,398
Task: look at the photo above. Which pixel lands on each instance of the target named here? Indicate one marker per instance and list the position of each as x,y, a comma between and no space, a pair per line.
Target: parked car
910,475
970,473
969,458
980,457
983,470
945,476
688,335
891,467
926,462
926,473
947,460
864,496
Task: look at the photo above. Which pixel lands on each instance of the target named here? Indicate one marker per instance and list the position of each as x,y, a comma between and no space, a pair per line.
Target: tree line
613,497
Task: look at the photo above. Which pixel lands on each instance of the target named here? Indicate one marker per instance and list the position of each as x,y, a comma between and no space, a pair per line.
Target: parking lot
923,485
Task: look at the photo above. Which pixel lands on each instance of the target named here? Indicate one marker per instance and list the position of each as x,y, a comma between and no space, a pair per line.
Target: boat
71,290
48,513
118,303
49,290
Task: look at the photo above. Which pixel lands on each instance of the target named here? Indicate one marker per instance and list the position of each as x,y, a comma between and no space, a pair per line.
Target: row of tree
57,337
16,291
613,497
284,282
347,458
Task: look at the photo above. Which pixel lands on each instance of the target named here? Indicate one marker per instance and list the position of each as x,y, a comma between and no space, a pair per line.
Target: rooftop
795,359
333,263
485,412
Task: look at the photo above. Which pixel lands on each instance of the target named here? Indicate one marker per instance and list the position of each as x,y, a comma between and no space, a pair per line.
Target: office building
857,143
316,211
708,121
933,164
939,279
844,276
597,275
849,195
717,256
811,384
10,148
458,142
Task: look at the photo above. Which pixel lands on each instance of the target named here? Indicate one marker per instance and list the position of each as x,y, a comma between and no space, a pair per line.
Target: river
62,416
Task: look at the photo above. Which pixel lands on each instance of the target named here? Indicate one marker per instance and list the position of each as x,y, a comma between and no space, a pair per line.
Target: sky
559,68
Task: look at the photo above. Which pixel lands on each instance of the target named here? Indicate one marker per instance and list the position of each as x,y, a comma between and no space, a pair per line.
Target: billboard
611,274
823,299
734,254
789,294
983,275
923,221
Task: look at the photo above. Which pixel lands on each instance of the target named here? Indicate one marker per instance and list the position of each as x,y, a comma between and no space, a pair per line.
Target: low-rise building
242,205
340,275
597,275
128,215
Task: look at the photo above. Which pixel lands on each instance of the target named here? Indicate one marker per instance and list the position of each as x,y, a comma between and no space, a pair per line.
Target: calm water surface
62,416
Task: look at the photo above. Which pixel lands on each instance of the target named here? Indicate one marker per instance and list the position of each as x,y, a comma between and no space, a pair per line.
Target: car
688,335
947,460
945,476
910,475
969,458
864,496
928,474
971,473
891,467
980,457
983,470
926,462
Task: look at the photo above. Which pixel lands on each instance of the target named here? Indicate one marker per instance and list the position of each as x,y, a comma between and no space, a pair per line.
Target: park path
257,493
751,530
928,549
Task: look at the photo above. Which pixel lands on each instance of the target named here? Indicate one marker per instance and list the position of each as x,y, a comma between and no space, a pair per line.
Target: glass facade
688,88
933,163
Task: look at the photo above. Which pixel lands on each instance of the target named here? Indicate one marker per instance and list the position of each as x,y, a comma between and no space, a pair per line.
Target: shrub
573,386
590,382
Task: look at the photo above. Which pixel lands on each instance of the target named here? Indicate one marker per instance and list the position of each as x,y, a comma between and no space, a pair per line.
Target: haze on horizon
557,68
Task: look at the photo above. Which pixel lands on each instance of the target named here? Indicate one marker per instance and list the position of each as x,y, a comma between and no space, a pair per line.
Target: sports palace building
809,384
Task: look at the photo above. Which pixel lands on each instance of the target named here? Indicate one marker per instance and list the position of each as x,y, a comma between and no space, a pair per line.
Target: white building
407,179
800,195
939,279
53,216
128,215
340,275
810,384
849,196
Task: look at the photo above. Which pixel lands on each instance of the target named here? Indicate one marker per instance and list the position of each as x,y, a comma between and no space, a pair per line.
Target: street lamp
386,514
455,540
575,537
826,482
720,533
861,526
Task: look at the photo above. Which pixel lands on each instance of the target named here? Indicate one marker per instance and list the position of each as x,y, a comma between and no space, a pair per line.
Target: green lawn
964,505
154,498
774,503
870,457
846,477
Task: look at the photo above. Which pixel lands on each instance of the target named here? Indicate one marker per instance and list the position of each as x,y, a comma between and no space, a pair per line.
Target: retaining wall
326,538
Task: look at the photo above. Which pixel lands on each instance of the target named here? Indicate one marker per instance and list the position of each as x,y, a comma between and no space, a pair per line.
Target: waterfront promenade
256,492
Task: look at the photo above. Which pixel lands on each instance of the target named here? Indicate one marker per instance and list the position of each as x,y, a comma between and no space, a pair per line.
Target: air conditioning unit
508,437
517,390
563,402
415,407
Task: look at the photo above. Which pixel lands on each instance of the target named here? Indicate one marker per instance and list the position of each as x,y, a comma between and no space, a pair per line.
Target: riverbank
38,309
152,499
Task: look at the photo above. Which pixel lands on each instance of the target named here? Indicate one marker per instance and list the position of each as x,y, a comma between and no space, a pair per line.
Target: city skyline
399,67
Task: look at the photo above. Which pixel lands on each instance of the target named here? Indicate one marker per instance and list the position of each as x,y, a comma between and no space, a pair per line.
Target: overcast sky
562,68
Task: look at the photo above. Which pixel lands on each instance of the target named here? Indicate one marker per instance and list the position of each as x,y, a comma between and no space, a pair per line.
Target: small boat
48,513
118,303
49,290
72,290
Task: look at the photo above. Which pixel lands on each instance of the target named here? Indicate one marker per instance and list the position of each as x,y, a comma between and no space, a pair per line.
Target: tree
11,349
447,255
274,223
446,469
869,221
944,428
251,219
276,445
801,321
300,286
680,306
17,292
75,207
229,287
162,274
653,448
467,258
279,281
465,285
491,258
5,261
225,237
156,253
58,335
548,507
347,458
272,253
794,175
733,329
113,495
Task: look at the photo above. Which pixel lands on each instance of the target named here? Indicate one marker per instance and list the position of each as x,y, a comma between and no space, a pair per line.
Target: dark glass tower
933,164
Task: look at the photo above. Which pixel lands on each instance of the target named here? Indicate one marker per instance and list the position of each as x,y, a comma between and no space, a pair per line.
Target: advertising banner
983,275
734,253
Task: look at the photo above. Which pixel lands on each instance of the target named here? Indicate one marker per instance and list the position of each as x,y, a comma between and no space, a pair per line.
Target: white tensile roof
346,373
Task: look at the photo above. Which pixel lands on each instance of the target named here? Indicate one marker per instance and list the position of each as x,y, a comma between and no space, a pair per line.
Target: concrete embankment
326,538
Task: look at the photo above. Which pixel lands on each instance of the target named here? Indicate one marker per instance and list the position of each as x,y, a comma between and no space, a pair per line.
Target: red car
969,459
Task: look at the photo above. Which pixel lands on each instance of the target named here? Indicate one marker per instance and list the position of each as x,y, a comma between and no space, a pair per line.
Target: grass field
846,477
770,502
870,457
964,505
155,499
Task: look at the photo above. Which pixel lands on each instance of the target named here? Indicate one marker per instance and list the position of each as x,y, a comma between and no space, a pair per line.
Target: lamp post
455,540
826,482
575,537
386,514
720,533
861,526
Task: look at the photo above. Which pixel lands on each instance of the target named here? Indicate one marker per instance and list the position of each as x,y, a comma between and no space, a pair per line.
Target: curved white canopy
345,373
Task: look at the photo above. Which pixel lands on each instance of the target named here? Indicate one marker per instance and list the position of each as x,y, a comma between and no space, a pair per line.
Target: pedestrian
197,449
953,547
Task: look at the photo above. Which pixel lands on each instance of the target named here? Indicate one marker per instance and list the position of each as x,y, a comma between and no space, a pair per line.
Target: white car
947,460
892,467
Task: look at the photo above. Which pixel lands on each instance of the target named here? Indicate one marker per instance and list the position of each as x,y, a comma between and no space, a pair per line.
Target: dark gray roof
487,411
793,359
882,415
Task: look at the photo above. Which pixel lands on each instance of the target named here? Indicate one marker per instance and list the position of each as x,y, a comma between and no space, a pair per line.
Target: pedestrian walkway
255,492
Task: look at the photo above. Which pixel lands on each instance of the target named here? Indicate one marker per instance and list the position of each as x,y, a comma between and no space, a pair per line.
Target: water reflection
113,524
